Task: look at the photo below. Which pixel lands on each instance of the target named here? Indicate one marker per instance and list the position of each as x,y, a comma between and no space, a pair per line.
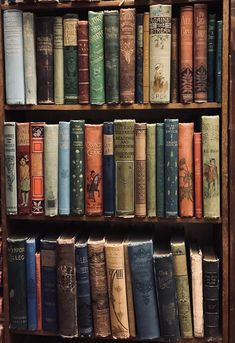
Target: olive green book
151,170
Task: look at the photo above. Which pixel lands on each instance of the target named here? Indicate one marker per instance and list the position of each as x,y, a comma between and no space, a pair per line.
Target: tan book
146,58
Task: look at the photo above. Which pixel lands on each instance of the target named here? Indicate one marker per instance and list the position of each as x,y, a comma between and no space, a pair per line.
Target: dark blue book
139,57
160,158
211,57
218,72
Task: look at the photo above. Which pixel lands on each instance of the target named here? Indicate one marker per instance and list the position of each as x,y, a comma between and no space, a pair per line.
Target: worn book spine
14,61
160,53
45,61
124,144
127,55
38,290
23,167
211,56
171,167
218,69
96,57
111,40
211,166
30,76
139,57
58,60
174,60
146,58
94,169
70,21
186,54
64,168
83,62
51,135
151,170
160,167
77,167
198,173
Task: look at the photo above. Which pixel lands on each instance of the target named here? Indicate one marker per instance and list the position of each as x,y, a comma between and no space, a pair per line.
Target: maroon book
83,62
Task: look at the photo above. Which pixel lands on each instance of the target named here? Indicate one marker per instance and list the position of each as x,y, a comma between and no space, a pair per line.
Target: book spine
31,284
14,61
38,291
70,59
96,57
111,37
83,62
30,76
146,58
124,166
51,133
151,170
160,166
211,166
211,57
127,55
94,169
140,169
64,168
77,167
23,167
186,54
160,53
174,60
139,57
198,173
218,71
171,167
58,60
108,162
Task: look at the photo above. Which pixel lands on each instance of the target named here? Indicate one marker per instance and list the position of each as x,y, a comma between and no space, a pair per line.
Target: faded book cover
83,62
146,58
198,173
151,170
175,60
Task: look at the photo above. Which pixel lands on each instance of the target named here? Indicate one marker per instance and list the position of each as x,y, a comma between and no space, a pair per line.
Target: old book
38,290
139,57
99,288
185,162
77,167
83,62
160,169
58,60
124,166
198,173
211,56
160,53
186,54
211,166
44,55
151,170
23,167
218,68
140,169
64,168
127,55
146,58
94,169
115,267
111,40
14,61
174,86
96,57
182,285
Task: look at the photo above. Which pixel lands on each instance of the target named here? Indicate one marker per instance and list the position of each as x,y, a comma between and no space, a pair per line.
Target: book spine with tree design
175,60
146,58
198,173
58,60
83,62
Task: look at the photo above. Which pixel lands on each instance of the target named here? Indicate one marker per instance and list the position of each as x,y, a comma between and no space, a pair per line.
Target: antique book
38,290
182,285
83,62
111,43
127,55
198,173
151,170
171,167
30,76
64,168
211,57
146,57
185,165
174,83
218,68
200,52
139,57
51,163
77,167
99,288
124,145
140,169
96,57
70,22
160,53
115,267
23,167
160,169
186,54
211,166
45,61
14,60
58,60
94,169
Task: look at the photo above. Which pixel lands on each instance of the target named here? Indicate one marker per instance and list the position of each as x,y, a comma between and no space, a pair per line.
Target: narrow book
218,69
139,57
58,60
151,170
160,167
83,62
211,56
174,87
38,290
64,168
198,173
146,58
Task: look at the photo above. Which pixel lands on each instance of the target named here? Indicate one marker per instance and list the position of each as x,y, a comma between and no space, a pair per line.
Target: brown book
186,54
198,173
174,60
83,62
186,198
127,55
146,58
200,52
94,169
38,290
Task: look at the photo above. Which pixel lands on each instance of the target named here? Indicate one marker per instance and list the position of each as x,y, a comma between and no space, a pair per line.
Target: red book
38,290
198,173
83,62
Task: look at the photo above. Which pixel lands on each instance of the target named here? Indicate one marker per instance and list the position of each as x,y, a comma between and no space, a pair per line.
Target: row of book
96,285
120,168
113,57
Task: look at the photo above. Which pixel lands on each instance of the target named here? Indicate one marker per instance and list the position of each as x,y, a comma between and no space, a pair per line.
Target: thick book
218,65
94,169
58,60
198,173
211,56
38,290
160,52
14,56
127,55
160,169
64,168
151,170
139,57
146,58
83,62
124,144
174,87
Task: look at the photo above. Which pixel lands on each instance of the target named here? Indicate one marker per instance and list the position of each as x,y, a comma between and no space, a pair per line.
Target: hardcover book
64,168
198,173
58,60
211,56
146,58
218,68
160,168
38,290
83,62
139,57
151,170
174,60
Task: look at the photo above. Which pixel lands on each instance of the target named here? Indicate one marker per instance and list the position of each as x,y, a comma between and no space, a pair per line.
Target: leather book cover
94,169
58,60
146,58
211,56
127,55
38,290
23,168
160,168
83,62
185,163
139,57
44,55
64,168
151,170
186,54
218,65
174,60
198,173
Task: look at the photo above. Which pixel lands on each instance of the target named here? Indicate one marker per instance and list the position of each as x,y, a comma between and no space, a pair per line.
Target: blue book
108,171
64,168
160,169
139,57
171,167
211,57
218,72
140,252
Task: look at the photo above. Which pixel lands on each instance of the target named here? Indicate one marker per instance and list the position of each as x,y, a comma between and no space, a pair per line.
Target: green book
58,61
160,169
151,170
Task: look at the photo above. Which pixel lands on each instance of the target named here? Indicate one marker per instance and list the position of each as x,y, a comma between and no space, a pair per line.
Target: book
198,173
83,62
146,58
160,168
218,65
211,56
139,57
38,290
174,84
64,168
58,60
151,170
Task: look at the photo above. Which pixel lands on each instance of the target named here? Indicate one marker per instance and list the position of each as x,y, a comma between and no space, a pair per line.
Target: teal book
211,57
218,71
160,161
